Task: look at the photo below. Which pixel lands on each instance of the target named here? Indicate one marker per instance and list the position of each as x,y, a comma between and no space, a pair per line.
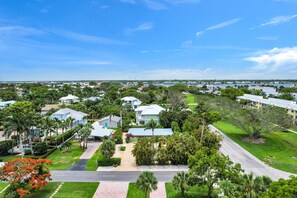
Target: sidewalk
112,190
160,192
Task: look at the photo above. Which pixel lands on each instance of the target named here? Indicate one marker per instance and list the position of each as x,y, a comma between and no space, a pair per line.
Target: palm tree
85,132
64,125
180,182
15,122
70,121
147,182
250,185
151,125
49,126
107,148
228,188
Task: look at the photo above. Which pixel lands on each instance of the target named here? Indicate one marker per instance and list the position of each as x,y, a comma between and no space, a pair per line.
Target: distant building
142,132
63,114
93,98
69,99
48,107
267,90
131,101
259,102
110,121
294,95
4,104
146,113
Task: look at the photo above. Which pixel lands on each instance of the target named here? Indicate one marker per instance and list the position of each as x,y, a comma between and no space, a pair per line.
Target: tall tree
151,125
147,182
85,132
107,148
181,182
49,126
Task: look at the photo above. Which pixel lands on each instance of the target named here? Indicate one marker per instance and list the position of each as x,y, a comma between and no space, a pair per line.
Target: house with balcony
63,114
131,102
146,113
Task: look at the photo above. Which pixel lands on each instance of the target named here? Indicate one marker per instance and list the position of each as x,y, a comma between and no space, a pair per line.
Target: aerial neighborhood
167,128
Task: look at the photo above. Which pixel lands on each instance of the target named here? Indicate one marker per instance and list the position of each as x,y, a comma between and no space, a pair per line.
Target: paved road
248,162
95,176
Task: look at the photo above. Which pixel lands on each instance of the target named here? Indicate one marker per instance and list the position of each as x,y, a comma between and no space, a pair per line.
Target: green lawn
191,100
47,191
278,151
63,159
194,191
2,187
10,157
92,163
134,192
77,190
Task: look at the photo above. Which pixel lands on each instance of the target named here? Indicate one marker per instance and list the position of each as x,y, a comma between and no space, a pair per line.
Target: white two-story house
69,99
63,114
131,101
145,113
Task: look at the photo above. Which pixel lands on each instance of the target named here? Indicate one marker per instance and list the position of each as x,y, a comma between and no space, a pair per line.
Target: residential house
93,98
100,131
110,121
131,101
63,114
294,95
259,102
146,113
48,107
142,132
69,99
4,104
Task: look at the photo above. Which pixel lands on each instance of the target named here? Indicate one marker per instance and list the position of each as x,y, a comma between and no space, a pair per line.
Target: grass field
2,187
194,191
47,191
134,192
278,151
10,157
63,159
77,190
191,100
92,163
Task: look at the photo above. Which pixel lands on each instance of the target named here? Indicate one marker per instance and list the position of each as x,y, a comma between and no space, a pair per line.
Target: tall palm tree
64,126
151,125
228,188
147,182
180,182
85,132
250,186
15,122
70,121
49,126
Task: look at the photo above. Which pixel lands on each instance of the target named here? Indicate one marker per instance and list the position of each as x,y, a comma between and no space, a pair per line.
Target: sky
147,39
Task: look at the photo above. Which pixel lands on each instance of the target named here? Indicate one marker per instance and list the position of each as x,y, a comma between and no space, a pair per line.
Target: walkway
112,190
84,158
248,161
160,192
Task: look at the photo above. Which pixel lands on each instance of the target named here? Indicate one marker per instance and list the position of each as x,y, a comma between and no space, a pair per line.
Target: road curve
248,161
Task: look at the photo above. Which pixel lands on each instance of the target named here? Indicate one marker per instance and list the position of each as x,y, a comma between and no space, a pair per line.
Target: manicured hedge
117,137
5,146
103,161
122,148
67,134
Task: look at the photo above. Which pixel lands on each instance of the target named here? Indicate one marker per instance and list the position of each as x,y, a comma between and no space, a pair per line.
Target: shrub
128,140
122,148
27,152
40,148
117,137
103,161
5,146
48,153
67,135
107,148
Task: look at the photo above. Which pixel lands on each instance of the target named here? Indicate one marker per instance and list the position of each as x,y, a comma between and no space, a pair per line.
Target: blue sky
148,39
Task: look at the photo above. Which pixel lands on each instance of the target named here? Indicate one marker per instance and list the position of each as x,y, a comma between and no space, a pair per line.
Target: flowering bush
25,175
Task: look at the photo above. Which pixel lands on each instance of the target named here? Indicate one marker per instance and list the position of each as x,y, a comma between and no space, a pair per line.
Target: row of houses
259,102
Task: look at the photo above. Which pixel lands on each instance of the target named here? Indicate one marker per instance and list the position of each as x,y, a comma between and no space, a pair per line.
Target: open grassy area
191,100
3,185
194,191
278,151
92,163
77,190
10,157
64,159
47,191
134,192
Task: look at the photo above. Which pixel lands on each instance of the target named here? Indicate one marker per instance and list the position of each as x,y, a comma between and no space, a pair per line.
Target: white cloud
19,31
275,59
187,44
279,20
218,26
88,38
141,27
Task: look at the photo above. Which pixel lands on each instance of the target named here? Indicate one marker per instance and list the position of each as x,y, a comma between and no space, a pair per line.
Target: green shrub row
67,135
5,146
103,161
117,136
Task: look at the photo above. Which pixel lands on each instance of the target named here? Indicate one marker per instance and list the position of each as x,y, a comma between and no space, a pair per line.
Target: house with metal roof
4,104
69,99
142,132
146,113
100,131
110,121
63,114
131,101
